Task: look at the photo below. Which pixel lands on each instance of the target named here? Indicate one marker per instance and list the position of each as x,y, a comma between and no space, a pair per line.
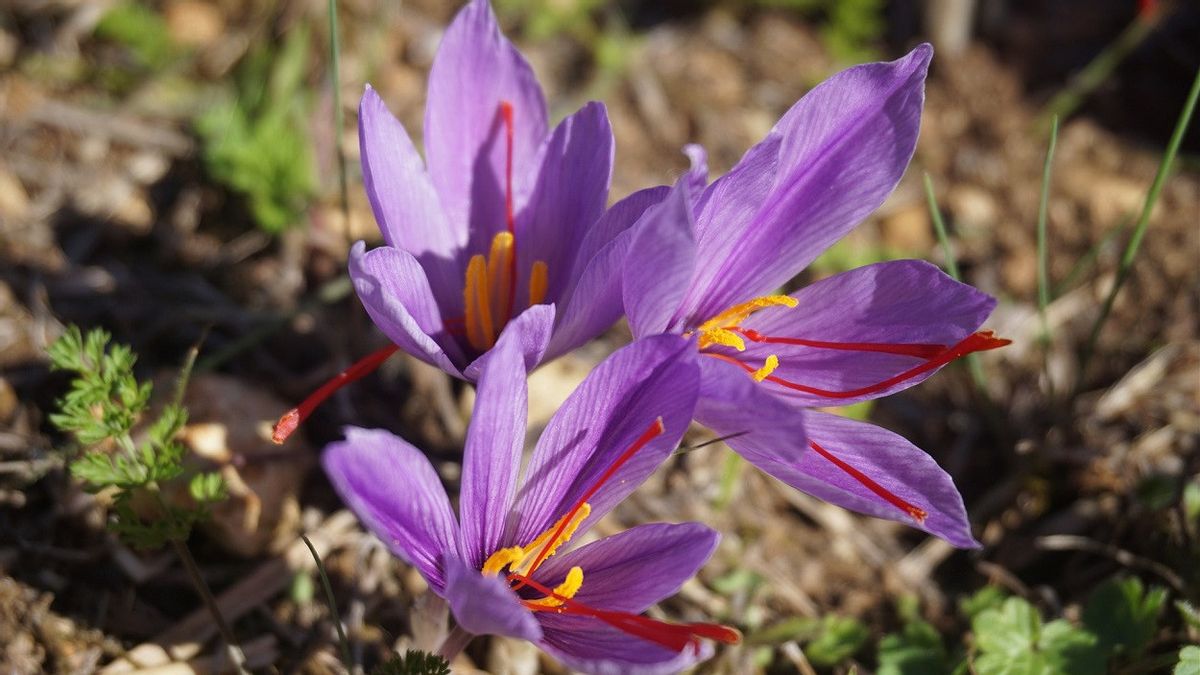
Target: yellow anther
566,590
497,561
716,331
768,367
500,276
533,550
723,337
478,313
539,280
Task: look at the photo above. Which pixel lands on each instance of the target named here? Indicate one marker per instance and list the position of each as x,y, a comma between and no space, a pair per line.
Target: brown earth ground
108,219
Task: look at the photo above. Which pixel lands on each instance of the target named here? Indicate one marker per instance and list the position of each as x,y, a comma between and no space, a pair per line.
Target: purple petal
404,201
844,147
393,289
660,263
568,198
724,212
635,569
485,605
492,453
395,492
697,173
891,461
475,70
589,645
899,302
530,331
618,401
768,432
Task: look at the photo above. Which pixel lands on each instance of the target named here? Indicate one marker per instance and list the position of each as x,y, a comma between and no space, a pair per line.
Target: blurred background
169,171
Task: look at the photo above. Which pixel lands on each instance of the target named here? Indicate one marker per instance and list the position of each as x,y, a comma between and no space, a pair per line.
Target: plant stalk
193,572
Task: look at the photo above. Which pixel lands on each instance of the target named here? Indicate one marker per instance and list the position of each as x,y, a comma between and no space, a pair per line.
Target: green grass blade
347,658
335,51
939,226
1143,223
1043,273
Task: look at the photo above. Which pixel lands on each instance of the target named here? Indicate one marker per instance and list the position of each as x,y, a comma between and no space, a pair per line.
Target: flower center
489,290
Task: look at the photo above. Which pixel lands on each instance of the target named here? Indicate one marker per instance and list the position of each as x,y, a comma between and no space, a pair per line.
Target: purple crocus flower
502,227
499,564
503,214
705,262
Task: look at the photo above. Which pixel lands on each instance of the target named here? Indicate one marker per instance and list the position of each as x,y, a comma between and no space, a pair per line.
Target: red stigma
975,342
921,351
673,636
510,221
291,420
655,430
915,512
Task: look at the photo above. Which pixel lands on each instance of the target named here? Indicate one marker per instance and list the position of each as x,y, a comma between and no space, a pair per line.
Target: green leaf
1189,661
207,488
839,638
141,30
988,597
1012,640
1124,615
1189,613
916,650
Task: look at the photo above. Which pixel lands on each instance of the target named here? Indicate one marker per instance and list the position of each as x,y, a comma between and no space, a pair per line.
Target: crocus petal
404,201
588,645
697,173
592,300
393,289
659,264
768,432
724,211
889,460
844,147
485,605
530,331
569,195
492,453
898,302
475,70
395,492
637,568
615,405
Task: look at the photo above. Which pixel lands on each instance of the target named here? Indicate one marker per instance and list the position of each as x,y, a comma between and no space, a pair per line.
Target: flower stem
193,572
333,608
454,643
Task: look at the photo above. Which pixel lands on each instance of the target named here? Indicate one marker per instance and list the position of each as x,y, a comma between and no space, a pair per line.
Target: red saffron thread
915,512
673,636
510,221
976,342
291,419
919,350
655,430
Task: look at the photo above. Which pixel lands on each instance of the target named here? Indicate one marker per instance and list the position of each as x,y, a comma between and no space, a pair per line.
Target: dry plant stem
1139,231
454,643
193,572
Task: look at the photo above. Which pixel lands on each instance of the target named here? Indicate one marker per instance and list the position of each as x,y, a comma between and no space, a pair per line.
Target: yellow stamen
501,559
500,281
475,296
539,280
566,590
716,331
768,367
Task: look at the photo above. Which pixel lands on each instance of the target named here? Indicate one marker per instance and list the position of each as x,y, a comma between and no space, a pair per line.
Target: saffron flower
503,214
501,564
502,227
705,263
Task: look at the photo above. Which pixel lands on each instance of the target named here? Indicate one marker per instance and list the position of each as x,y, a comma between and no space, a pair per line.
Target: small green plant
101,410
916,649
414,662
142,31
1014,639
257,143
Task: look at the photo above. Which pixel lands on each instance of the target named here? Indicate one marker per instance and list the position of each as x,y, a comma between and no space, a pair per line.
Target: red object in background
1147,8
